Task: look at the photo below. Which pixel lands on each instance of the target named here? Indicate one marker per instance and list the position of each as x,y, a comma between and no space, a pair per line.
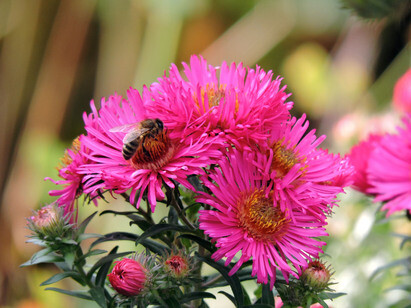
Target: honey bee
136,135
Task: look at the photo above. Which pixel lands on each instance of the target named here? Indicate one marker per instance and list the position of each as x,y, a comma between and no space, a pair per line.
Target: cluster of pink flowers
270,186
383,164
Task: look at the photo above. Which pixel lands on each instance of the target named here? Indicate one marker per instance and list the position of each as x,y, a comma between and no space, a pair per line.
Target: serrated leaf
61,276
195,295
79,294
82,227
106,259
97,294
159,228
233,280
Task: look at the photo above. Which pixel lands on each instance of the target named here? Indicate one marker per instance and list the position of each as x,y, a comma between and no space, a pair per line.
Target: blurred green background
55,56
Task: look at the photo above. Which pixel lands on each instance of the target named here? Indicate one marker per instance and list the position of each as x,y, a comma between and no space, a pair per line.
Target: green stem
175,205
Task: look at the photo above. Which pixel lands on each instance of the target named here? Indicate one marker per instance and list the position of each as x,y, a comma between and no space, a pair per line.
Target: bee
137,134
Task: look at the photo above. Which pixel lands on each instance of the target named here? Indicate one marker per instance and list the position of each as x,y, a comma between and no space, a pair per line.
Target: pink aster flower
240,104
402,92
389,170
360,157
244,219
302,176
163,156
128,277
71,178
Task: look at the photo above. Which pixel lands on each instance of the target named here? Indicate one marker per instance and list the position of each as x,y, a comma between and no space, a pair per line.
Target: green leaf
267,295
155,247
321,301
159,228
259,306
51,258
196,295
79,294
86,236
172,302
83,225
233,280
229,296
118,213
200,241
61,276
102,273
115,236
97,294
172,216
140,222
91,253
330,295
106,259
405,262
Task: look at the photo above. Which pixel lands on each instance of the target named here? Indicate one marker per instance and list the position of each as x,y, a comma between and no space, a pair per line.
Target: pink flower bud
45,217
316,275
128,277
402,93
177,265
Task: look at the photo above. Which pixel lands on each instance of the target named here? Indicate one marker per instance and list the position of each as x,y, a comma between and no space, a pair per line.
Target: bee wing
123,128
134,134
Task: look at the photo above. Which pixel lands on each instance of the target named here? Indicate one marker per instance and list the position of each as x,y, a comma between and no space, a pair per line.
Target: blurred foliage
55,56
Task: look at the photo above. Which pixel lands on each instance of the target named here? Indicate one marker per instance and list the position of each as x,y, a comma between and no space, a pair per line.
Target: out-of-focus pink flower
389,170
402,92
247,220
239,104
163,158
128,277
359,157
71,179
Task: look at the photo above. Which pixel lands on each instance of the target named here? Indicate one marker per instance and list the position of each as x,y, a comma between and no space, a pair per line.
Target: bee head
160,124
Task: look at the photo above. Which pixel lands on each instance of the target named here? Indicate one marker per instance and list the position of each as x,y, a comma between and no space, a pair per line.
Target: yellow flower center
66,159
214,97
260,218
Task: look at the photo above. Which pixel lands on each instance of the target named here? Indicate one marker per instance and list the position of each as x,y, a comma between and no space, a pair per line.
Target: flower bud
316,275
45,217
177,266
49,222
128,277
